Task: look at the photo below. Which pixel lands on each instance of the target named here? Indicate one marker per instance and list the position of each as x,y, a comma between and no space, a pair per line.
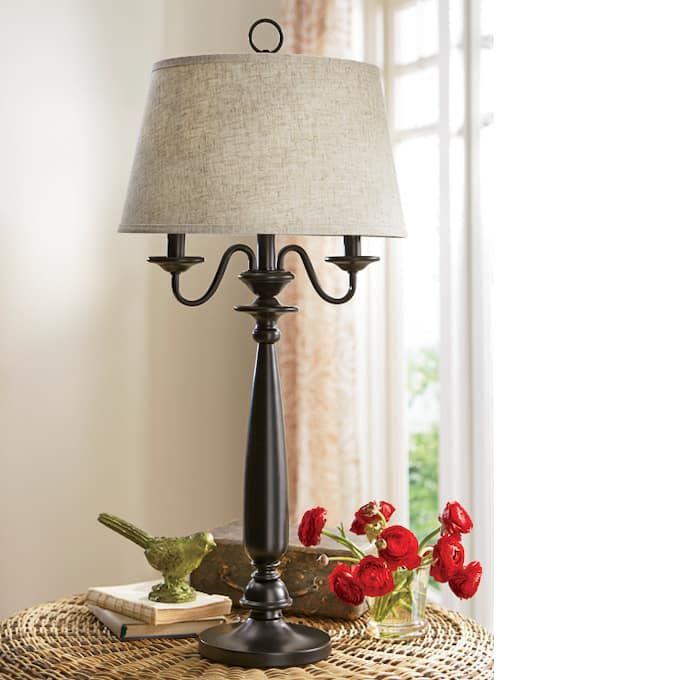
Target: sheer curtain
317,352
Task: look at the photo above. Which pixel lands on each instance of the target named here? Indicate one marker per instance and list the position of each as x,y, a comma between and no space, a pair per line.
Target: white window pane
456,90
429,27
486,15
415,31
416,98
456,67
457,185
417,162
456,22
405,34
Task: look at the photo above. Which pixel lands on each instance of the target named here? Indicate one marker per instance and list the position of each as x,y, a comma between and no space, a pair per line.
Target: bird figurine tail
129,531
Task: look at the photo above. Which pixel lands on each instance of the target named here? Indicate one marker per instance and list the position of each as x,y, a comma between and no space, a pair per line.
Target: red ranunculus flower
465,582
311,526
447,558
374,576
366,515
455,519
401,548
343,584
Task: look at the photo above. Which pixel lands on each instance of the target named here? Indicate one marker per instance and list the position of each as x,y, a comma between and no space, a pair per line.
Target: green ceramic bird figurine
175,558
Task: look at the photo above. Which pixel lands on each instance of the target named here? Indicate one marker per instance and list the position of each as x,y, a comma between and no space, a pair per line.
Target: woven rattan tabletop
63,640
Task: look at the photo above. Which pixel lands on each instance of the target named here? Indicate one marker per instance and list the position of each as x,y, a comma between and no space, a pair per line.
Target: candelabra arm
313,279
217,279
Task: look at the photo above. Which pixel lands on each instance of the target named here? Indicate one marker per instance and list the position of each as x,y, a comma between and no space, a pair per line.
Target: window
437,330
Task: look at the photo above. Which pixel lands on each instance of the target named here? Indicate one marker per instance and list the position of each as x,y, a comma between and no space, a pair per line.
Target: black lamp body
265,639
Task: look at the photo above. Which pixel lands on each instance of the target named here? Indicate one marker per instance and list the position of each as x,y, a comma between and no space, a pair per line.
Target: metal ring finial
265,21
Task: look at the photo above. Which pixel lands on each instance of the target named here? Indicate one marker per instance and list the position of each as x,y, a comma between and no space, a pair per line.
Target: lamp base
260,643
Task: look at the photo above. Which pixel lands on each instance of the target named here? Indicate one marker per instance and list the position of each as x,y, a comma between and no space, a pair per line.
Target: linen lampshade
264,144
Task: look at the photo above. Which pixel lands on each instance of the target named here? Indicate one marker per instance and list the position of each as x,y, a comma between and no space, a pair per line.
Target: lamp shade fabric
264,144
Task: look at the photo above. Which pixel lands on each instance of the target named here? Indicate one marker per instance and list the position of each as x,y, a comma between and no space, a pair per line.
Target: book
132,600
127,628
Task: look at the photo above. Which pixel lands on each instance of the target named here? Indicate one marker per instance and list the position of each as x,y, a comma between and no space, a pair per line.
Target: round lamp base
264,644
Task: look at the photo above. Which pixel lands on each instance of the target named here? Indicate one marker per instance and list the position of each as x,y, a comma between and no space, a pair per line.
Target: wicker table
63,640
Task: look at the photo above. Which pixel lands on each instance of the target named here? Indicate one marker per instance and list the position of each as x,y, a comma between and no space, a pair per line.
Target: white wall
112,396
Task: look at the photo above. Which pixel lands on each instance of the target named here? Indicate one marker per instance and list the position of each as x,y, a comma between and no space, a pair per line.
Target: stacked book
130,615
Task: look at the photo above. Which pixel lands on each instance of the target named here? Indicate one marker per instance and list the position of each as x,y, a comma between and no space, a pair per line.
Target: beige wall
112,396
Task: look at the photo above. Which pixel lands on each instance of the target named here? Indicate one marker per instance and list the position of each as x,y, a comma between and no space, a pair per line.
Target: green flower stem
344,541
384,605
401,589
387,603
375,608
382,608
428,538
340,558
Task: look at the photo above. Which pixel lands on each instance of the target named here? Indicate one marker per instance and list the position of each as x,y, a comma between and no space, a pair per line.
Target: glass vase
401,613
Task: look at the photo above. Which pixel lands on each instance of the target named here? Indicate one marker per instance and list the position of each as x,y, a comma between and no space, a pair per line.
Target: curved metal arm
217,279
309,268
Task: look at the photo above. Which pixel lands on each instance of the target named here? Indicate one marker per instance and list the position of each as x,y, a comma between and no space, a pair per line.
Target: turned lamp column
265,515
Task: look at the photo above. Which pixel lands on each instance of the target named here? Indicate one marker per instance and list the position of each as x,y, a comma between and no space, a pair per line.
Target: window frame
465,448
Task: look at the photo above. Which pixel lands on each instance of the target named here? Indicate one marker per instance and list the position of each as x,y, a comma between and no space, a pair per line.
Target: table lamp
264,145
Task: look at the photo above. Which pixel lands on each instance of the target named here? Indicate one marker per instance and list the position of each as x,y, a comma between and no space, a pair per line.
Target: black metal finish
352,262
265,21
217,279
265,639
274,644
352,265
175,262
309,268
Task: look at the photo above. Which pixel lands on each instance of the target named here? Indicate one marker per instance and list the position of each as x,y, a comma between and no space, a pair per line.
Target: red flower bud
447,558
370,509
311,526
368,514
401,548
344,586
374,576
455,519
465,582
358,527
